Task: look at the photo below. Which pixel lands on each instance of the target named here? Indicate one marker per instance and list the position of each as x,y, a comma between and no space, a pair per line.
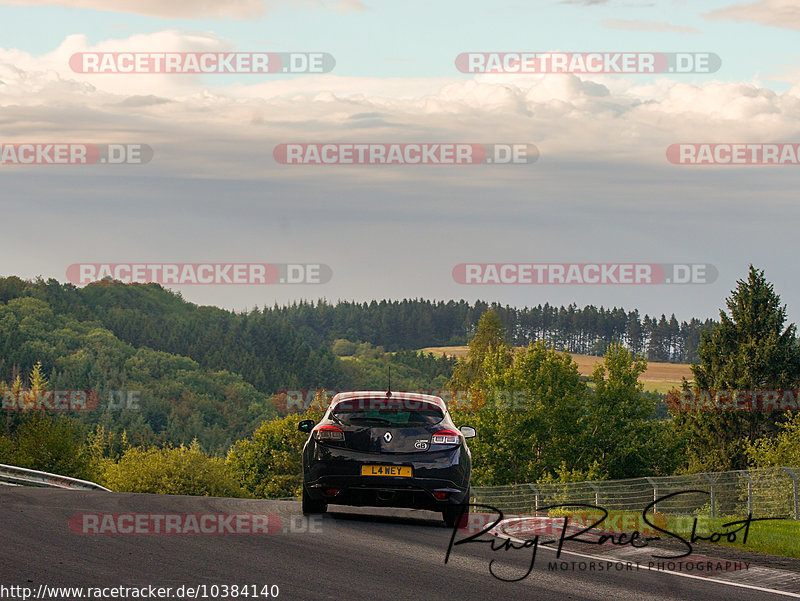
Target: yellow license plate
404,471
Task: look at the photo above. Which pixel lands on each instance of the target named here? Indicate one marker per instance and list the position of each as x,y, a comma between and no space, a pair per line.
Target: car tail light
327,432
331,492
446,437
441,495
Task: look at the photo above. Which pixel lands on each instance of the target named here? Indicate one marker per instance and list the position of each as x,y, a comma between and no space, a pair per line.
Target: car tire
451,512
310,506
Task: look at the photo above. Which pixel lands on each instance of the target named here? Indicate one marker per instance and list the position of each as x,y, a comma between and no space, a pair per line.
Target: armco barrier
22,476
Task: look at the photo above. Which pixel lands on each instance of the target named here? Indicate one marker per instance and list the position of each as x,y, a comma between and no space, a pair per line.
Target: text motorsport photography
588,534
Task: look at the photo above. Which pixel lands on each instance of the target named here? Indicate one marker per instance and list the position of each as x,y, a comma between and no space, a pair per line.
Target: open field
775,537
659,377
779,537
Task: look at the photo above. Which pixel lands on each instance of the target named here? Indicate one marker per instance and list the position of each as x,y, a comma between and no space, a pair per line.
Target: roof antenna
389,389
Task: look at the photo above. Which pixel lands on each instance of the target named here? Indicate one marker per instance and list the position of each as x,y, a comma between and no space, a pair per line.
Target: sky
602,190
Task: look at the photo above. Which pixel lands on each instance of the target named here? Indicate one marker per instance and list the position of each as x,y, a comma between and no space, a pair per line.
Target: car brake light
446,437
327,432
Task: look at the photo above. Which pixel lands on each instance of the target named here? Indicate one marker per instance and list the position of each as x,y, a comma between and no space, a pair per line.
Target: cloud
148,100
229,130
774,13
644,3
785,73
191,9
347,5
601,191
657,26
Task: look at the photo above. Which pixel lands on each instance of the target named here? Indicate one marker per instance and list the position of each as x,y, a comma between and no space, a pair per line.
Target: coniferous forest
206,383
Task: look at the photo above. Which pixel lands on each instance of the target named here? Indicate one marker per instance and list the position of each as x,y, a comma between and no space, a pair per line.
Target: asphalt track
350,554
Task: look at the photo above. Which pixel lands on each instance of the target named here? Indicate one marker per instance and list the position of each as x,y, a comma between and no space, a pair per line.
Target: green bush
50,444
344,348
779,449
171,471
269,464
6,450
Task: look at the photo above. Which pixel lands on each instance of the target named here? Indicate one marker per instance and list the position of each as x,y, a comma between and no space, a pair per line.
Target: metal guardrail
10,474
768,492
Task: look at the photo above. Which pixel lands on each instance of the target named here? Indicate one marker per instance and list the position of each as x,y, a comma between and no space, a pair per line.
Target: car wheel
312,506
451,512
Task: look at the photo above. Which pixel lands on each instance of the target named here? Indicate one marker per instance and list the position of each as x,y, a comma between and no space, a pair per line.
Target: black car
387,449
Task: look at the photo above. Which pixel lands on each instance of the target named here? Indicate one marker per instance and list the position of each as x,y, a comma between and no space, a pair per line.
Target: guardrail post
713,495
790,471
655,493
536,498
596,493
744,475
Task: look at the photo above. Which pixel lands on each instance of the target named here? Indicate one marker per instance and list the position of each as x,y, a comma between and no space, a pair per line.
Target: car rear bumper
340,470
414,494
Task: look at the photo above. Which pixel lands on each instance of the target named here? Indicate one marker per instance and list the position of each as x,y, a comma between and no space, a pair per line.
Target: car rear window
387,412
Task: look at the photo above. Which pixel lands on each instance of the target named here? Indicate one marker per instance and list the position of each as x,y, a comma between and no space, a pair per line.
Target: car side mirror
306,425
468,431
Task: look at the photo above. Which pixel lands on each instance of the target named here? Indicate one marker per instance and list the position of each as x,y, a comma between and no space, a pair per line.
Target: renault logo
388,437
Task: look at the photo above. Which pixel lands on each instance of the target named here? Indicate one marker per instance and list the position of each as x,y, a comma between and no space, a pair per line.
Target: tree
552,397
344,348
38,381
750,349
489,340
529,425
619,430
